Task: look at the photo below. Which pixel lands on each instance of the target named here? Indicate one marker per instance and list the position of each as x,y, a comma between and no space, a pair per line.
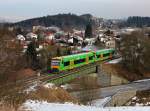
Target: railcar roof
103,50
74,55
81,54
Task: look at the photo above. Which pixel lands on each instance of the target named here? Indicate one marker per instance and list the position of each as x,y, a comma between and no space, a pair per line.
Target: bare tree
10,55
135,50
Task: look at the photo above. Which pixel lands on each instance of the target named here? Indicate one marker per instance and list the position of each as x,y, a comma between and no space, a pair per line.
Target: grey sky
22,9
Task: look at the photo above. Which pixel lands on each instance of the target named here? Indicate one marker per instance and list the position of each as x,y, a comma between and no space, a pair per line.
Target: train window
98,56
91,58
105,55
79,61
76,61
67,63
82,60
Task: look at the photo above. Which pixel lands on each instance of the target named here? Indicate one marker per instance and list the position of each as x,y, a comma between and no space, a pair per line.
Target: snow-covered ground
142,101
31,88
143,80
66,86
100,102
49,85
115,61
44,106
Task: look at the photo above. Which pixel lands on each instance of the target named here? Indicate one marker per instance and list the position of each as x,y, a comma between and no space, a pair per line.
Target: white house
31,36
49,36
20,37
90,41
110,44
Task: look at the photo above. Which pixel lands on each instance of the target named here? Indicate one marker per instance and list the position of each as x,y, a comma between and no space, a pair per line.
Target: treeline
60,20
137,21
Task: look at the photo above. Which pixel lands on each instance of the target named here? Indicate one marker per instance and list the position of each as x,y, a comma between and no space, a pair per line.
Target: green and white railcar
72,61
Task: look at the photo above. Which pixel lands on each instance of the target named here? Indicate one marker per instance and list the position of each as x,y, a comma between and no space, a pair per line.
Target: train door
101,56
110,55
71,64
87,60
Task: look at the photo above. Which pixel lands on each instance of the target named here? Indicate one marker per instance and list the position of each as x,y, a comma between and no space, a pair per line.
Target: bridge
104,79
67,76
59,78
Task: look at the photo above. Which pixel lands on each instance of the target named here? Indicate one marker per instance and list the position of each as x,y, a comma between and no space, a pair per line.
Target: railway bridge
64,77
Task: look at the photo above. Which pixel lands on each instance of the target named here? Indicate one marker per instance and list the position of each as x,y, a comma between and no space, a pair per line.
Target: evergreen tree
32,55
88,31
58,52
137,21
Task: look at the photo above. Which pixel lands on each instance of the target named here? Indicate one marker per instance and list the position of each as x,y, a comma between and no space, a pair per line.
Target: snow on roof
79,38
45,106
90,39
90,48
20,37
70,40
31,35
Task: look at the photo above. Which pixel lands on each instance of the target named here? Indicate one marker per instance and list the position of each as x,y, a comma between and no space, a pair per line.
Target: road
138,85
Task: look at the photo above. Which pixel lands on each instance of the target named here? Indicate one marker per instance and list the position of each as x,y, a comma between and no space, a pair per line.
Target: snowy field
44,106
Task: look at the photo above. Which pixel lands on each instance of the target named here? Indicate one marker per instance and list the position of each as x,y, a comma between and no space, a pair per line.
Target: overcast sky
22,9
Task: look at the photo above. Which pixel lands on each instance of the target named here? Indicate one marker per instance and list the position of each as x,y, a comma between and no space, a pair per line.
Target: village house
111,43
20,37
31,36
49,36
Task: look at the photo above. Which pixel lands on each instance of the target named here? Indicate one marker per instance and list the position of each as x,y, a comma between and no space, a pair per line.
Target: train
69,62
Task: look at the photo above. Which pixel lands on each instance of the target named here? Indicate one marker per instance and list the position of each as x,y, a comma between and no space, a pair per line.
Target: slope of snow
45,106
49,85
31,88
66,86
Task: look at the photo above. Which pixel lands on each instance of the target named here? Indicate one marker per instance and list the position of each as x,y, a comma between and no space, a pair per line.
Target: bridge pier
104,79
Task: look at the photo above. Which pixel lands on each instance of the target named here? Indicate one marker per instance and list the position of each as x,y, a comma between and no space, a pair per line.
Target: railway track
43,78
23,84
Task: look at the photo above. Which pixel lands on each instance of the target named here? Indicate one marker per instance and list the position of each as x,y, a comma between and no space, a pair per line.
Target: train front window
55,63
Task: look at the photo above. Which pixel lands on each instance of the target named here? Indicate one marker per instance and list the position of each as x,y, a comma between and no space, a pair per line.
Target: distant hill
137,21
3,20
60,20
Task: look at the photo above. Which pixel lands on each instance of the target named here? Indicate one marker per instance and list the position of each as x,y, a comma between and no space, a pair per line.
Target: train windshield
55,62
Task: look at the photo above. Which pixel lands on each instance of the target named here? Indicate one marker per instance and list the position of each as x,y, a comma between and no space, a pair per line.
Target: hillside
60,20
